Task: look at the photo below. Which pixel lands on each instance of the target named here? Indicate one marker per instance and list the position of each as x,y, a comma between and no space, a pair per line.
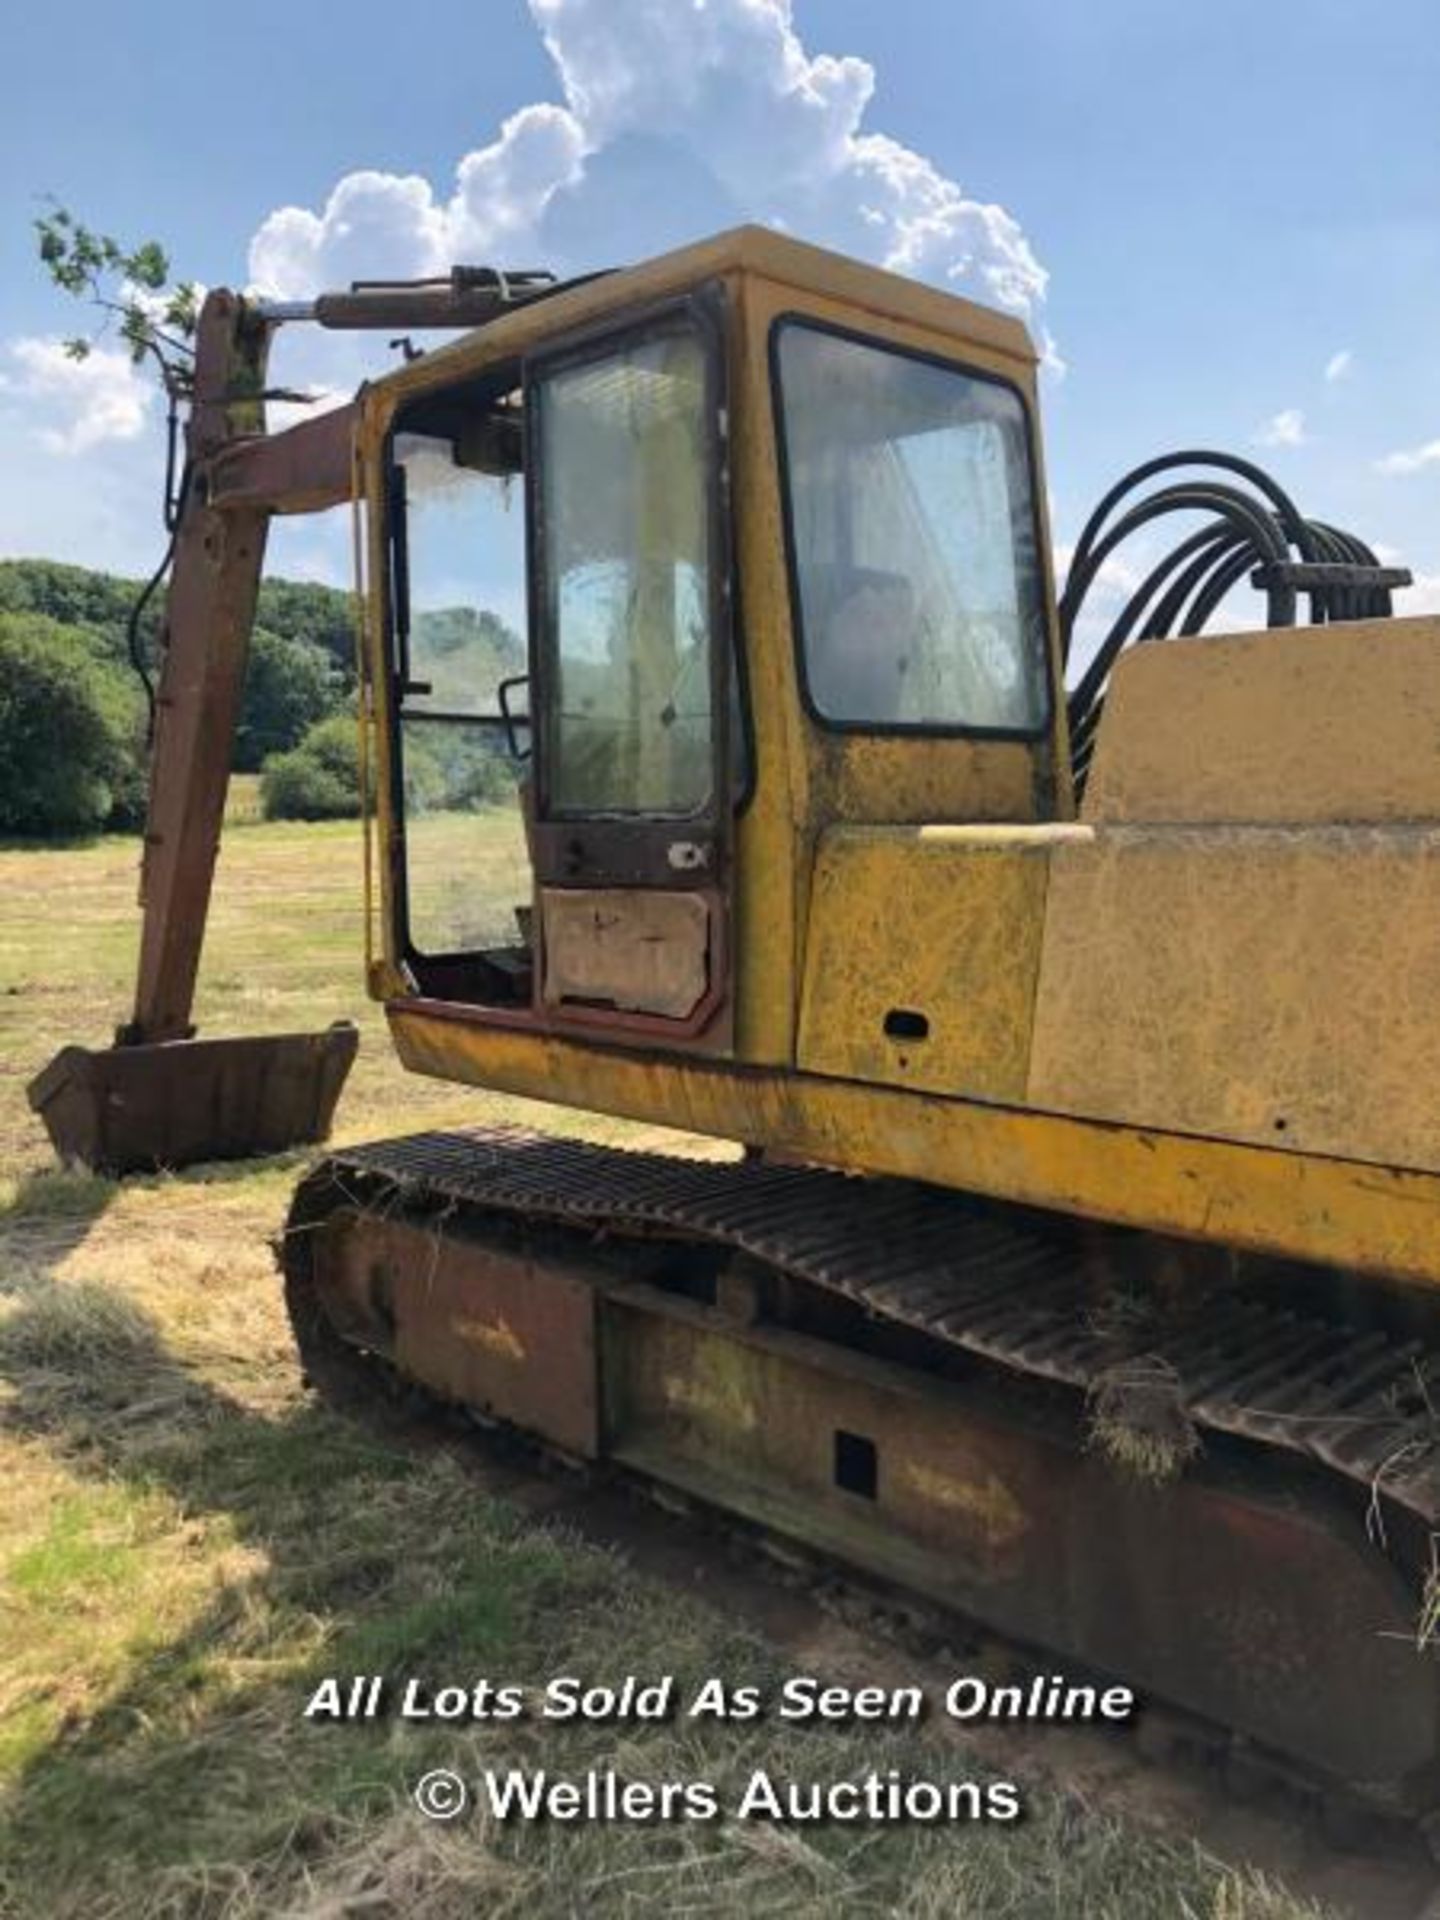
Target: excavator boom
160,1097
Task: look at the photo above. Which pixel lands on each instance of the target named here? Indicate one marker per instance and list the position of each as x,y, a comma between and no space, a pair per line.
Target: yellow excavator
1079,1271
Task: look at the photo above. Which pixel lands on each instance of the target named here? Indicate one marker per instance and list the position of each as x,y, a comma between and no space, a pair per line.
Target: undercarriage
1050,1429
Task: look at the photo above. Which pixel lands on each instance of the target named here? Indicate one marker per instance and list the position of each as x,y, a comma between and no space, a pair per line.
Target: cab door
631,660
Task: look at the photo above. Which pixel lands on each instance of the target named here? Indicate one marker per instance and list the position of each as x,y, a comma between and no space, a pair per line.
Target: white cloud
1117,578
386,224
726,116
318,548
1338,365
1284,429
1422,595
82,403
1411,459
674,118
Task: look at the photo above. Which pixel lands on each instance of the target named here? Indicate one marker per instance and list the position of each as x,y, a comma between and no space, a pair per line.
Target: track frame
1248,1593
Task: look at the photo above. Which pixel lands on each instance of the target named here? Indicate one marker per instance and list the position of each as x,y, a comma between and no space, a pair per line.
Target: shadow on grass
49,1213
45,1215
287,1549
350,1555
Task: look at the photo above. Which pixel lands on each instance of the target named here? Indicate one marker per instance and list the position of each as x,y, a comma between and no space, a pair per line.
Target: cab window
911,515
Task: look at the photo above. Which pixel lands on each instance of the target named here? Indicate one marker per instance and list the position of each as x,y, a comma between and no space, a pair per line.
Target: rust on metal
161,1098
130,1109
494,1328
847,1435
640,951
208,617
897,1377
1234,1597
1003,1283
418,304
306,469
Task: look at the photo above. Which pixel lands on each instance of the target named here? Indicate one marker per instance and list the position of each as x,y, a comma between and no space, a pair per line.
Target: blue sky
1204,209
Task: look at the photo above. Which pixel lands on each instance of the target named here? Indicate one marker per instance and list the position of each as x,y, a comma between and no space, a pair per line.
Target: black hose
1247,519
1254,530
172,507
132,638
1284,506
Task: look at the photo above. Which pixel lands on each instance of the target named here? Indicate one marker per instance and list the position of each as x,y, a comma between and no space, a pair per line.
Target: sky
1221,223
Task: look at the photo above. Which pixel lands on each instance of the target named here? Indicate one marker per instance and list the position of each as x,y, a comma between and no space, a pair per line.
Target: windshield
912,522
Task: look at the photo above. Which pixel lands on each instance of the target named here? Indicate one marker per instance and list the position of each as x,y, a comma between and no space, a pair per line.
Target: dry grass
1427,1624
1138,1420
242,801
187,1543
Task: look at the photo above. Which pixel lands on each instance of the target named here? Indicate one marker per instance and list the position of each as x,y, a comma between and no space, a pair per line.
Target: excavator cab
784,568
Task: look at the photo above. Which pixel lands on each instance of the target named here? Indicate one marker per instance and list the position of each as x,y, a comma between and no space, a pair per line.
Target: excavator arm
160,1096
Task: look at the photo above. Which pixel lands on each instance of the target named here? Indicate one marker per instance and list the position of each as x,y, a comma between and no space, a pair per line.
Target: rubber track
1009,1284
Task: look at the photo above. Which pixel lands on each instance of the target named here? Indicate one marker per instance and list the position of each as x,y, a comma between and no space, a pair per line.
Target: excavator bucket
132,1109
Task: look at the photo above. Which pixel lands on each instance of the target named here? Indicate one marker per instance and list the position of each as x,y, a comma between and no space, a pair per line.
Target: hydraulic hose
1252,531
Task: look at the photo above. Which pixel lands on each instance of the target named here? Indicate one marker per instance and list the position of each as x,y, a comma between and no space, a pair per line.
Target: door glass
912,519
467,867
625,491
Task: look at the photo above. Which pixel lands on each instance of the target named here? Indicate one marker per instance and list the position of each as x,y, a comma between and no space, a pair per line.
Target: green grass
188,1543
89,1547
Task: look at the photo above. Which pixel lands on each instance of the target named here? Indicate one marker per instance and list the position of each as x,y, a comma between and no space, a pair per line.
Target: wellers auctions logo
882,1796
596,1796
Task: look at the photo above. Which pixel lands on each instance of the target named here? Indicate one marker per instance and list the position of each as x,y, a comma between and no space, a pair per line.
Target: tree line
73,710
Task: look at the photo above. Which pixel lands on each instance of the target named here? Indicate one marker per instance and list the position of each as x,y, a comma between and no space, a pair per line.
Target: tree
75,596
301,658
455,769
70,754
319,779
289,686
128,285
322,616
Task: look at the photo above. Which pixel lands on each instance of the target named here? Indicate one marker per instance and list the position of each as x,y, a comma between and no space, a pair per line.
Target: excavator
1075,1267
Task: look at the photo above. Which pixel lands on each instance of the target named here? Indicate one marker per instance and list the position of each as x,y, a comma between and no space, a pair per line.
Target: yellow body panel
1280,1202
1272,984
1122,1013
809,779
940,924
1338,723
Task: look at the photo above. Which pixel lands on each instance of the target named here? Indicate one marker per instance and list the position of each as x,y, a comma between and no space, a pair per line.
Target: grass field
188,1543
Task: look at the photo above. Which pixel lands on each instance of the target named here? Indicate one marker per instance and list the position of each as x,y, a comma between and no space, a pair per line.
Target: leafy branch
131,288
